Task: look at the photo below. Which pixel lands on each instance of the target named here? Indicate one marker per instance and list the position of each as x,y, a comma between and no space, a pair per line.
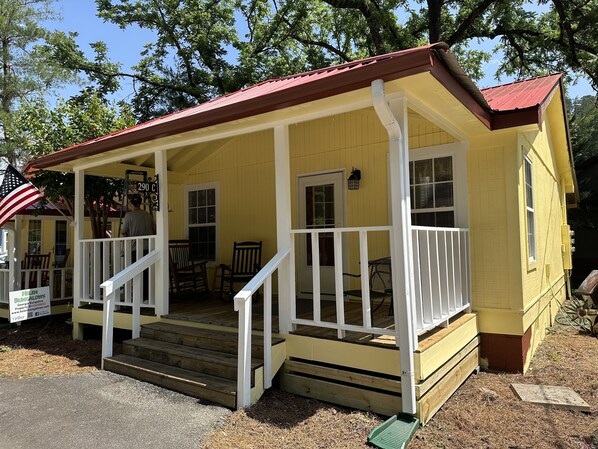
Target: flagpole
59,210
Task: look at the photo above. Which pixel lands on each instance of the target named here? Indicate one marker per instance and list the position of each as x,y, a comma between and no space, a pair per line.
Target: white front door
321,205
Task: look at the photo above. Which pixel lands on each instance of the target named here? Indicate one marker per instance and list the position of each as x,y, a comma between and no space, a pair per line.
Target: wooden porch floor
212,311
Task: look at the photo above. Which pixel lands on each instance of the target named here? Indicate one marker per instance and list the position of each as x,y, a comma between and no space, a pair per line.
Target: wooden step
214,340
195,359
203,386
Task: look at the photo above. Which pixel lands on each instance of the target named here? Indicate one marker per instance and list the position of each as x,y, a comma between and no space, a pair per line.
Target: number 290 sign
147,186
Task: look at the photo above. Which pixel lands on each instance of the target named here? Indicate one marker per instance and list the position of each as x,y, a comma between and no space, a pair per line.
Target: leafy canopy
44,130
29,68
207,48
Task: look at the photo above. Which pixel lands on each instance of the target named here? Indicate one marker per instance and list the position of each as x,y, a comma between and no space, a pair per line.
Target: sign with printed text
29,303
147,186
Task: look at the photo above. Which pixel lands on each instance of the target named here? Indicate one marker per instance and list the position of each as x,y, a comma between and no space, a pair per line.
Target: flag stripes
16,194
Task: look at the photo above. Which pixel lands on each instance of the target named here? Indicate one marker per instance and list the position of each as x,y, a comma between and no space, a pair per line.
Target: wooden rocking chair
185,273
247,261
32,263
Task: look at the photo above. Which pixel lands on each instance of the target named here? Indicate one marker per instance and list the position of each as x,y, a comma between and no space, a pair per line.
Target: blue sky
124,46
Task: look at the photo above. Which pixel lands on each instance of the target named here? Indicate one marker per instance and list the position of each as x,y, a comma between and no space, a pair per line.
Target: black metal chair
380,283
185,273
247,261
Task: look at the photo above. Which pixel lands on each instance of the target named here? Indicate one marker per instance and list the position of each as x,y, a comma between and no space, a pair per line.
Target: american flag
16,193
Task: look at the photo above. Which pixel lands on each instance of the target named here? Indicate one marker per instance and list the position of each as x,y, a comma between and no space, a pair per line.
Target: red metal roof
270,95
280,93
521,94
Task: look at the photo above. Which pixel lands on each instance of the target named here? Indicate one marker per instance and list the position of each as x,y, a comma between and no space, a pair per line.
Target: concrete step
198,385
221,341
201,360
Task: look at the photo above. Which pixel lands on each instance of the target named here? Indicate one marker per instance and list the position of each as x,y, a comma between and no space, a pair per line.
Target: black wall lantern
353,181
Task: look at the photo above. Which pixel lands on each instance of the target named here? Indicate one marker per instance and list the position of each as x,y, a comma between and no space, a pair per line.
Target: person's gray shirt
137,223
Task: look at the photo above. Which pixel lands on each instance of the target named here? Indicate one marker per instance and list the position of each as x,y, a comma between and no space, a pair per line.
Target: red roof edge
412,61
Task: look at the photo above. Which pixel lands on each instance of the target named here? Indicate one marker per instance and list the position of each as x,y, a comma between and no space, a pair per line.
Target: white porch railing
340,325
441,274
112,287
4,285
244,307
441,278
101,259
58,279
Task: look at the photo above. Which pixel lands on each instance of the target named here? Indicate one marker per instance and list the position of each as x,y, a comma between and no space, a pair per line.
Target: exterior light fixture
354,178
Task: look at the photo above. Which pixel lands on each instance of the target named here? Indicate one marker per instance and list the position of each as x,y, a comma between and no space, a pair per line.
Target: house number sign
152,190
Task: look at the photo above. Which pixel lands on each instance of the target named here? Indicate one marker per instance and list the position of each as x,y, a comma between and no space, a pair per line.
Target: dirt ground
484,413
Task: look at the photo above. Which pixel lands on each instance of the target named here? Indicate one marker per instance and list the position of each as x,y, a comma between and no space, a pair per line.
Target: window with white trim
201,220
34,237
432,192
530,213
60,241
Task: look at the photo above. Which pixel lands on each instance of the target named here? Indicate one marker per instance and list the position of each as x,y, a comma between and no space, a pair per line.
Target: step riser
172,384
200,366
227,346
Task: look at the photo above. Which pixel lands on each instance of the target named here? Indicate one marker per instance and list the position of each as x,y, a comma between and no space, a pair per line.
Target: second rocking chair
247,260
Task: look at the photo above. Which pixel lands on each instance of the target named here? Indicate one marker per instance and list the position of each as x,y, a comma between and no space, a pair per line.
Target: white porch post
162,235
399,109
401,248
78,224
282,170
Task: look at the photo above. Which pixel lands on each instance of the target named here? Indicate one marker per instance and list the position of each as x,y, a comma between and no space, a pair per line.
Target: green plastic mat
394,433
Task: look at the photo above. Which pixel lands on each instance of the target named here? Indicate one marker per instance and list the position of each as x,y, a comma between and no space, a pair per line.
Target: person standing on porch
138,222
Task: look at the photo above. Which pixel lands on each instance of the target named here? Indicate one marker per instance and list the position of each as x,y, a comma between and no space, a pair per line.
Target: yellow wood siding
243,168
423,133
512,294
492,183
548,212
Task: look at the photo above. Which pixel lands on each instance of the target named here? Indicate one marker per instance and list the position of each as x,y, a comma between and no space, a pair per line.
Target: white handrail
243,306
111,286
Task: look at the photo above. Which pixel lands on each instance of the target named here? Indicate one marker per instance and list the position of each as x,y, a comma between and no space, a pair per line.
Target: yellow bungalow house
461,196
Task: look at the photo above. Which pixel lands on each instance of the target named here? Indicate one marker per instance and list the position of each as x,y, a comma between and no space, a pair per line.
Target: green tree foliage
206,48
28,68
584,128
44,130
584,139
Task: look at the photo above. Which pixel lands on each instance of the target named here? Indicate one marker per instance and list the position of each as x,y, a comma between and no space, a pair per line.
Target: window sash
34,237
530,211
202,210
432,175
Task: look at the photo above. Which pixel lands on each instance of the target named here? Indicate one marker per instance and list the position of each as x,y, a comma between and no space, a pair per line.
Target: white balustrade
441,277
441,274
112,289
243,305
101,259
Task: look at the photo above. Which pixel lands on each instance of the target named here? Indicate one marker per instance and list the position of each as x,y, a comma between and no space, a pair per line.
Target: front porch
359,371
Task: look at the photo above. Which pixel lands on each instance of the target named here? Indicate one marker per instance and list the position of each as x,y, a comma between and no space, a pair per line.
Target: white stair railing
112,287
243,305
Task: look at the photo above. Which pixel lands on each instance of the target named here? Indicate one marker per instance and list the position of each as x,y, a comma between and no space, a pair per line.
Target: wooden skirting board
375,392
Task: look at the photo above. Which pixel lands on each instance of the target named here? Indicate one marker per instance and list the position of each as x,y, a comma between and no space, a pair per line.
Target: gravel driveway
101,410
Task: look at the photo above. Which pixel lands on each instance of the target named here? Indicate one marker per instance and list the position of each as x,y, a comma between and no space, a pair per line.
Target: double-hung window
432,192
34,237
60,242
529,208
202,213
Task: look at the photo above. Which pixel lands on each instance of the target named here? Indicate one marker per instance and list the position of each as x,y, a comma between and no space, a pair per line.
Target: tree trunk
434,22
